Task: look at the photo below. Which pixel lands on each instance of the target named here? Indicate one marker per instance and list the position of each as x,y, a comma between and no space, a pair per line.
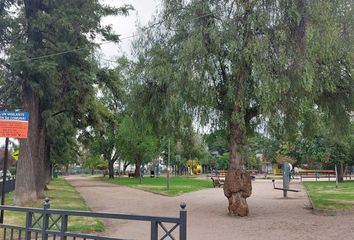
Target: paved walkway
271,216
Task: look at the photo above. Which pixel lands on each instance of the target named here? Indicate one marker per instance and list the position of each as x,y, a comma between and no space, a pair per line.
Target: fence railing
45,223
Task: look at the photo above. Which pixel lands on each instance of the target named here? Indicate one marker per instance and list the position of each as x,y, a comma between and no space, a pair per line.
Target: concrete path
271,216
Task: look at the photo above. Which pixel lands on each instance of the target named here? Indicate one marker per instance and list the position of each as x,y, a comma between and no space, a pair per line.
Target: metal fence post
28,225
46,206
44,223
64,226
154,230
183,222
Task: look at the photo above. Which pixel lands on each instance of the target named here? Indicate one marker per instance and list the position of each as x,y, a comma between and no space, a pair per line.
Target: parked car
8,174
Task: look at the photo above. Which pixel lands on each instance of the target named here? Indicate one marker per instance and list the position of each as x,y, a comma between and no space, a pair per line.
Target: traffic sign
16,154
14,124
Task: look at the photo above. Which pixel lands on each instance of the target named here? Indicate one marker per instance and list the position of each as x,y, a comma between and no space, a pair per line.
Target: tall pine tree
55,88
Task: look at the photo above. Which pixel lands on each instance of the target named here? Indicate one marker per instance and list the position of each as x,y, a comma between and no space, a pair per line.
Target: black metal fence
9,185
46,224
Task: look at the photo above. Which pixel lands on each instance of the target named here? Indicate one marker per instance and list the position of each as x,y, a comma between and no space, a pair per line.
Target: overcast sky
126,26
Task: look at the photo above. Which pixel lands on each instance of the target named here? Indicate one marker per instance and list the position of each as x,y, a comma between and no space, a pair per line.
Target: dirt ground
271,216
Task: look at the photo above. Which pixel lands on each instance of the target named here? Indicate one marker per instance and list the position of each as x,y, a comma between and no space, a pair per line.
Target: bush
102,166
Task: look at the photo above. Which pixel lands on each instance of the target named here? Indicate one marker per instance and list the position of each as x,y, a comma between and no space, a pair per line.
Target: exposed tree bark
340,172
137,168
111,169
25,187
236,137
125,165
30,169
47,165
237,188
111,165
237,185
40,163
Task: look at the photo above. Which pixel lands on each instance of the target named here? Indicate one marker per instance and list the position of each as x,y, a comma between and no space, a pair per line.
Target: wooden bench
218,177
317,174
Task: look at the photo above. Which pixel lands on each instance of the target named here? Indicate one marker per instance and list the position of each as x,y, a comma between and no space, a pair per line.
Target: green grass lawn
62,196
326,196
178,185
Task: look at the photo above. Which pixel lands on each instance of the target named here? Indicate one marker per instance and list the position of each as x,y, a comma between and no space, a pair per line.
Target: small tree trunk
340,170
111,169
137,168
119,166
47,165
125,165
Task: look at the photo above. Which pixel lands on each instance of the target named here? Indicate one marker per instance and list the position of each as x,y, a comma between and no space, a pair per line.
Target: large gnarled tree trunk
237,185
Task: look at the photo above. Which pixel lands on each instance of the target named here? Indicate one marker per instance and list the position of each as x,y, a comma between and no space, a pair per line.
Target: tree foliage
248,62
50,72
137,143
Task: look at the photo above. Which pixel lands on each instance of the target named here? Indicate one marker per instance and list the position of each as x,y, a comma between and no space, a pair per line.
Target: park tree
151,103
337,153
186,147
136,143
104,138
244,61
216,141
63,146
327,149
188,144
92,162
50,72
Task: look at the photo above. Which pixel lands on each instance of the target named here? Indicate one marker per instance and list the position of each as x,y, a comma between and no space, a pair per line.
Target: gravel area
271,216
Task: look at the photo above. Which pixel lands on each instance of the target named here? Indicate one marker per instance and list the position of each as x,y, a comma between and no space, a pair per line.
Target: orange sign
14,124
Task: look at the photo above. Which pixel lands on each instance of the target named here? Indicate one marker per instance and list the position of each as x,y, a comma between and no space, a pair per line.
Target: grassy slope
178,185
62,196
326,196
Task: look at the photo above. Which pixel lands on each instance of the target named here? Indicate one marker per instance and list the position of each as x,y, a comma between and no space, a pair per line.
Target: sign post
4,171
14,125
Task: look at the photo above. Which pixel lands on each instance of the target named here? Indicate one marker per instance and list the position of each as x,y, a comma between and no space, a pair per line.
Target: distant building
266,166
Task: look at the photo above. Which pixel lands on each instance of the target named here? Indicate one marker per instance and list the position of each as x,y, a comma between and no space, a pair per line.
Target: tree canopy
282,68
242,63
50,72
